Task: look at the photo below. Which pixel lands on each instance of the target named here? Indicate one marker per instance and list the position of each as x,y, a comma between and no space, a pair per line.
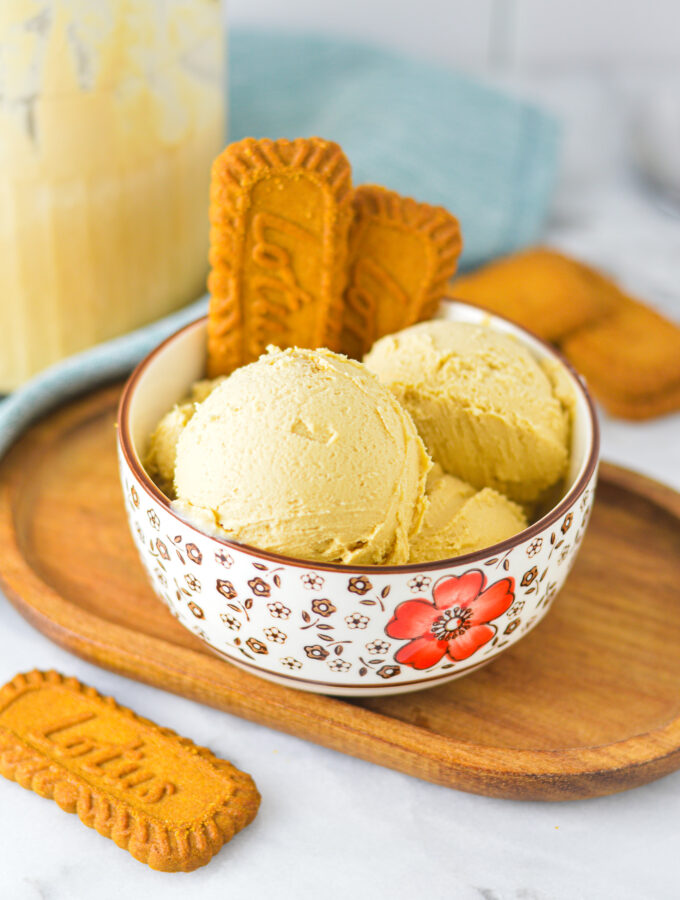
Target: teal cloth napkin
427,132
424,131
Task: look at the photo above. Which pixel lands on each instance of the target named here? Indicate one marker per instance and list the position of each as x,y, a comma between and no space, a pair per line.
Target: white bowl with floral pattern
348,631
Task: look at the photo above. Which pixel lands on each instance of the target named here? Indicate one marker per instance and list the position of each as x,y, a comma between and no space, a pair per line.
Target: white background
335,827
513,34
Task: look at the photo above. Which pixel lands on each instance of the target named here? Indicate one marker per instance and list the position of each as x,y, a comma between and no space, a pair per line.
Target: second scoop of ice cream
486,410
305,453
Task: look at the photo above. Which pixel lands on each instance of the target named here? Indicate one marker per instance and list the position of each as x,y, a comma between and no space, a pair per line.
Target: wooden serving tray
586,704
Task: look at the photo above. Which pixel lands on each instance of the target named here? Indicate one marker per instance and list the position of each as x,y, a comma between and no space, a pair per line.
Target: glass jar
111,113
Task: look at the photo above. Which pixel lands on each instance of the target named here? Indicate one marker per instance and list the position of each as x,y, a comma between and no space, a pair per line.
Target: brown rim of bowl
440,564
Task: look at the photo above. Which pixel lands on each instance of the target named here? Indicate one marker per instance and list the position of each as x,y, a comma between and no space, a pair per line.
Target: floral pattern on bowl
339,629
346,632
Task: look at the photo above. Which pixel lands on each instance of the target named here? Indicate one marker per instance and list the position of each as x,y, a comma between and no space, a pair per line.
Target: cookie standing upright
402,254
280,213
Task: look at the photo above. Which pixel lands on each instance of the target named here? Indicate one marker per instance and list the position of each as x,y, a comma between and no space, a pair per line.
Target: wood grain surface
588,703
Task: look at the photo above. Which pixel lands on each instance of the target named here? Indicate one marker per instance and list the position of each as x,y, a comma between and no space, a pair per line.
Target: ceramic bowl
338,629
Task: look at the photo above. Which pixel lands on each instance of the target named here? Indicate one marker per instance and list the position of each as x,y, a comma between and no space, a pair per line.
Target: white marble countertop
338,827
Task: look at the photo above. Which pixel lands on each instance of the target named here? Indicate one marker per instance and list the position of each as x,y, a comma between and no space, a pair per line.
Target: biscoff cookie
541,290
633,355
646,406
280,213
402,254
168,802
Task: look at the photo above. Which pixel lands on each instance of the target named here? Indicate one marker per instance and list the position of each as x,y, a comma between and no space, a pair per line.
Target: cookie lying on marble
168,802
631,360
628,352
540,289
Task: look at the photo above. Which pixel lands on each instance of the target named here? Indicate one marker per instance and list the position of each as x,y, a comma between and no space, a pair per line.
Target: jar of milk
111,113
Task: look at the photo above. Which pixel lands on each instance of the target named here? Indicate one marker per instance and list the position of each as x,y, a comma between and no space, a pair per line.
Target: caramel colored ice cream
486,410
160,458
304,453
460,519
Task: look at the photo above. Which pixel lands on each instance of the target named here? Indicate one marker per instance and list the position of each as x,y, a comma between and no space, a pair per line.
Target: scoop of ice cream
305,453
460,519
159,461
485,408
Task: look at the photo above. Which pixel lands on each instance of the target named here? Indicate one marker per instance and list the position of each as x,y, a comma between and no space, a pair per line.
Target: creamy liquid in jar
111,112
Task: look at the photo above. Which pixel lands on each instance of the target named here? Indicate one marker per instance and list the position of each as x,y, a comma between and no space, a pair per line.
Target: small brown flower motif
154,521
259,587
230,621
529,576
419,583
338,665
226,588
291,663
162,549
194,554
311,581
511,627
388,671
274,634
140,534
256,646
316,651
192,583
566,525
359,585
378,647
161,577
196,610
278,611
323,608
516,609
356,620
534,547
564,553
134,496
224,559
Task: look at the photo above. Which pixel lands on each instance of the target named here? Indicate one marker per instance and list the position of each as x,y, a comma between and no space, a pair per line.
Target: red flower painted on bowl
457,622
